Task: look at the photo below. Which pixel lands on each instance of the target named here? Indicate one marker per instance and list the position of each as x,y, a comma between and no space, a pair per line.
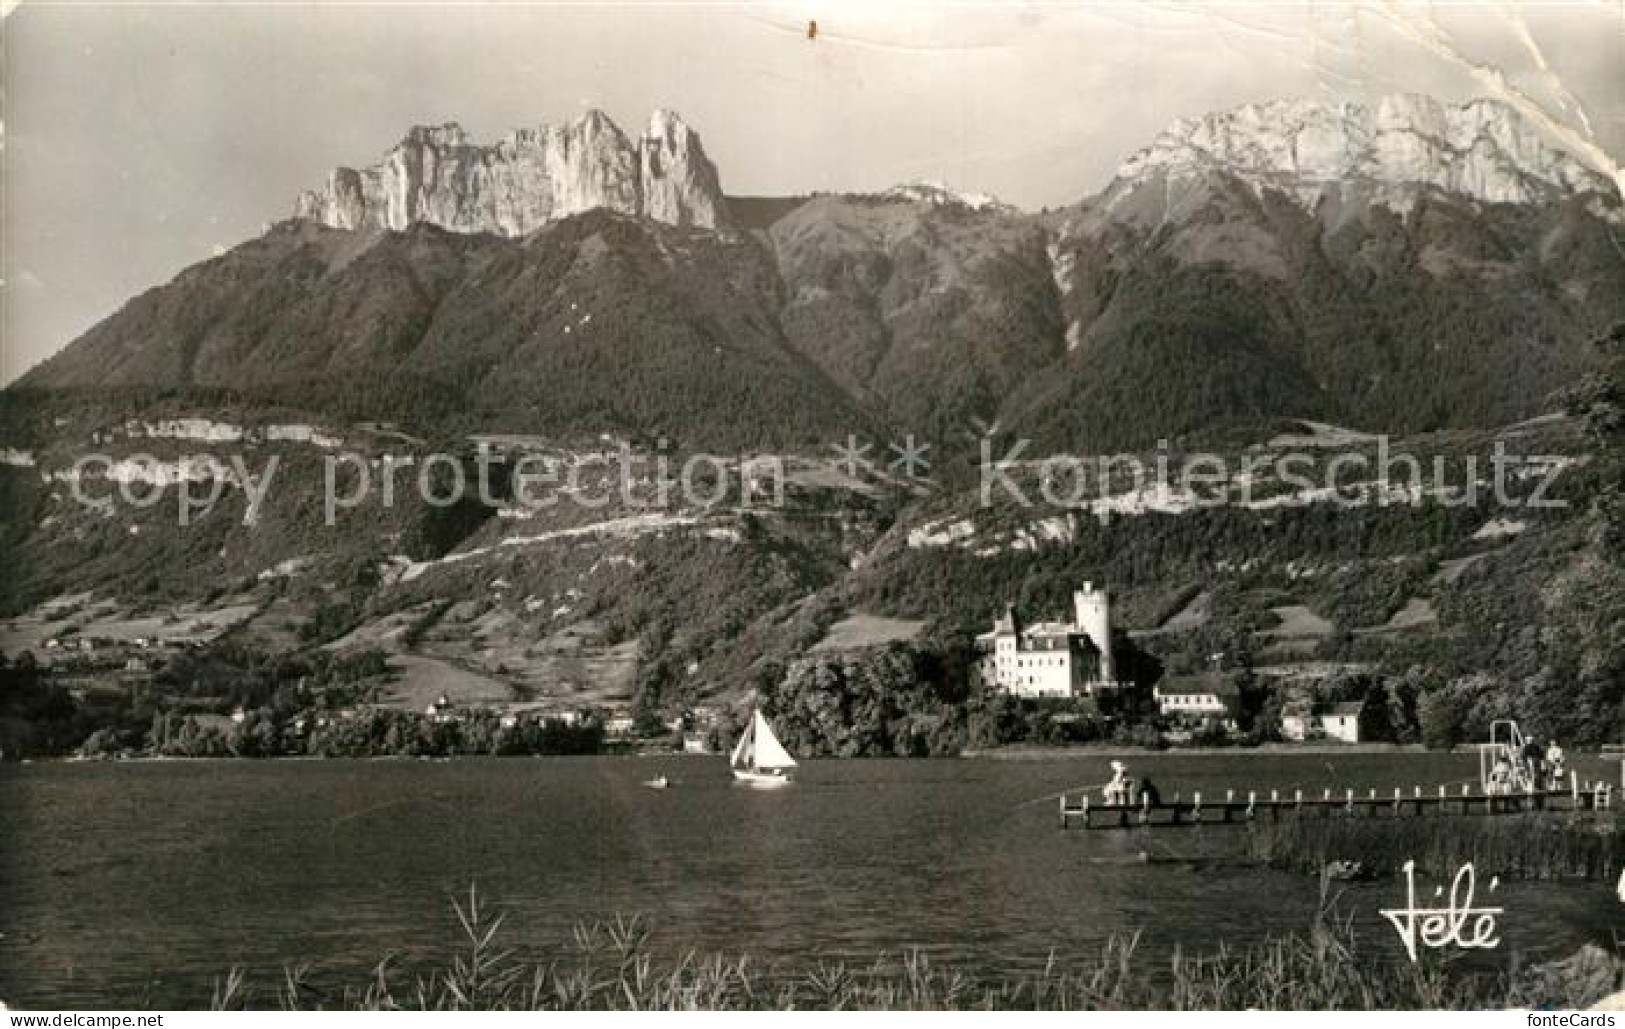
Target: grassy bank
612,966
1532,846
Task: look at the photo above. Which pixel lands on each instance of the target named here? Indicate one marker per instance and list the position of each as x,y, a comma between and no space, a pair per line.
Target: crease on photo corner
1570,125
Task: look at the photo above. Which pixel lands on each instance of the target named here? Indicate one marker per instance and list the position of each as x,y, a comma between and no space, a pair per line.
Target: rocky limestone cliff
530,177
678,184
1484,150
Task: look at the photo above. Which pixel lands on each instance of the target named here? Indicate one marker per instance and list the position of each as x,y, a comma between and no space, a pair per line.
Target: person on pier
1555,765
1501,777
1121,788
1148,795
1534,761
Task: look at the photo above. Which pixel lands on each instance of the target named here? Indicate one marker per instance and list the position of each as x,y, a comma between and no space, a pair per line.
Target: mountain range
1249,281
1407,265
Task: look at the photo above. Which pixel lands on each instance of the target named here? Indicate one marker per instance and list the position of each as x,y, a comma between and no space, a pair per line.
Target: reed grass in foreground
1531,846
610,966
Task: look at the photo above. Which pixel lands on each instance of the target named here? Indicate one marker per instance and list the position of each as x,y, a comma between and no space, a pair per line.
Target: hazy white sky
140,137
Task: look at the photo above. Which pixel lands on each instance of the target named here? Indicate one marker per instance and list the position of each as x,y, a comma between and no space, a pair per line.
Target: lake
140,883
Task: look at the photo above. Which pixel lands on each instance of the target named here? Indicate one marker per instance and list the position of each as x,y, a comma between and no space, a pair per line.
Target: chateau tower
1092,615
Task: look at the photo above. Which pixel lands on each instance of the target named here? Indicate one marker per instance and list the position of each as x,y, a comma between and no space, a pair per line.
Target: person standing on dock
1555,761
1148,794
1120,788
1534,758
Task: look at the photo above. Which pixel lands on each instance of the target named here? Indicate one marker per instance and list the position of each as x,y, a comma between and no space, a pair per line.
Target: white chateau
1052,659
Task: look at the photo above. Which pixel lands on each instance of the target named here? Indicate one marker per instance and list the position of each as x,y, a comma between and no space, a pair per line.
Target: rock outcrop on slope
1483,150
529,178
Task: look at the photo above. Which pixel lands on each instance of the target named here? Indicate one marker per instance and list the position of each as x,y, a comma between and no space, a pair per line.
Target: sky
140,138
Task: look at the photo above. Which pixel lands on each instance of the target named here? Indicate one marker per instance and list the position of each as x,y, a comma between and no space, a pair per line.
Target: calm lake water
138,884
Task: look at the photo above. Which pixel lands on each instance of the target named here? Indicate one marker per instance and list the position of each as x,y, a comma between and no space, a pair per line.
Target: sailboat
759,758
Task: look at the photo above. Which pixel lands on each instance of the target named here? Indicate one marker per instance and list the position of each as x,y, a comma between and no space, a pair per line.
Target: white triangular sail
768,751
744,750
759,751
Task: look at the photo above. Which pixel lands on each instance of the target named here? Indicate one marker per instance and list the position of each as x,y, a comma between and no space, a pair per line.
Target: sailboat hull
761,779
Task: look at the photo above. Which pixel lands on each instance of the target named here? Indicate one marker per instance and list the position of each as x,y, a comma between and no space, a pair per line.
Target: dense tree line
236,701
897,700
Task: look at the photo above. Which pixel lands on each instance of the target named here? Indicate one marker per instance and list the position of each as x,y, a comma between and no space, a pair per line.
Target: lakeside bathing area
144,883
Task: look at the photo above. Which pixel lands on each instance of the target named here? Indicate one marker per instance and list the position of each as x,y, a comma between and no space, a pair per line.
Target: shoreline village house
1052,659
1199,698
1333,721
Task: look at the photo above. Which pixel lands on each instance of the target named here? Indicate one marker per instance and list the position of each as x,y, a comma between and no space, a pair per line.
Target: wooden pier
1277,804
